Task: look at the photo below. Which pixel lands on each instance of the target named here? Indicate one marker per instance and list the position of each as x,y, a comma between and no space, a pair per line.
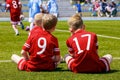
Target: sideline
66,18
5,61
97,35
108,37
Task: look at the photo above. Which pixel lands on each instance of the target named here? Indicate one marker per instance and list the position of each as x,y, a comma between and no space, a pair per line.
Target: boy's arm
7,7
25,55
21,9
56,58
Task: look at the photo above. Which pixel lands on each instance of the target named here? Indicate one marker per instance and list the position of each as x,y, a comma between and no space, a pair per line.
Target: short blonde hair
38,19
75,21
49,21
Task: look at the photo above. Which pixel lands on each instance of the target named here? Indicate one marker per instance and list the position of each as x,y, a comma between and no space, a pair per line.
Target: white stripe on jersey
70,49
56,49
27,45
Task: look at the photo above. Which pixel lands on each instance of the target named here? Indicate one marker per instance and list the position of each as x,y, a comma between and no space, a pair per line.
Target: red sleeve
7,3
26,46
70,49
96,41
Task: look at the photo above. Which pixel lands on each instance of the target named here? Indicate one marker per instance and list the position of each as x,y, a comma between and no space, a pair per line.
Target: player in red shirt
82,45
15,6
41,46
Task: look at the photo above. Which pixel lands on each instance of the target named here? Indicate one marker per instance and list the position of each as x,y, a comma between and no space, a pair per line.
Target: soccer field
108,38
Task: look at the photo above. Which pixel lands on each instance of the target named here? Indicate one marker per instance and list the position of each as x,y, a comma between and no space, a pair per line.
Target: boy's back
42,47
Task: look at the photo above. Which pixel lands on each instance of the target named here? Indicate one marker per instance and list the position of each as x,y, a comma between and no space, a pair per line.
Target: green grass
9,44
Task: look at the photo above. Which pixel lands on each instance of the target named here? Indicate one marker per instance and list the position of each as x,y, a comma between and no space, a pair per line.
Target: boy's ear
83,26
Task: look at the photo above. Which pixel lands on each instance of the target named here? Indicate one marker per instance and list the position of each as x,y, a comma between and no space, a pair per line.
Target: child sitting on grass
82,45
41,50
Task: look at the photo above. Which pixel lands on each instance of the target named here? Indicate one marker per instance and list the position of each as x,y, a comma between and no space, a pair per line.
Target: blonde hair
75,21
38,19
49,21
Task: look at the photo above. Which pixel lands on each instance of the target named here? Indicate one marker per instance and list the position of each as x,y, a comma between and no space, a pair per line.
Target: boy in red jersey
41,50
14,6
82,45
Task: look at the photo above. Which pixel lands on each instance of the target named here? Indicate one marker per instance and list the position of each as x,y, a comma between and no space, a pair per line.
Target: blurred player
34,8
53,7
15,6
83,46
44,7
41,50
77,6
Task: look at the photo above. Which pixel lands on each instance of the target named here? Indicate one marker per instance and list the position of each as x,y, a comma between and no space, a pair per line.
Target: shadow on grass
113,71
60,70
66,70
110,72
56,70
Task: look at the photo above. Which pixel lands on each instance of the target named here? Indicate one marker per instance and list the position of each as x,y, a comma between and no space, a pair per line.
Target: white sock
67,59
17,32
15,29
108,57
15,58
31,26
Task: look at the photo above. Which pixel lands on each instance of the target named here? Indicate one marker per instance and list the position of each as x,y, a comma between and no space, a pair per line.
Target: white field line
115,58
108,37
97,35
6,61
62,30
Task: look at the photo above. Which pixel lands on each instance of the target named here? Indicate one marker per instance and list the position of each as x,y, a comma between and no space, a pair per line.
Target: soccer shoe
21,24
108,57
17,34
27,28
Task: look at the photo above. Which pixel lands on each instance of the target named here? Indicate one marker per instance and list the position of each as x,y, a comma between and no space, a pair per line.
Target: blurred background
65,7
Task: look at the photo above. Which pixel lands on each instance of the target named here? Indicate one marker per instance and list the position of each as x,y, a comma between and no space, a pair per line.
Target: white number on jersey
14,3
42,46
88,43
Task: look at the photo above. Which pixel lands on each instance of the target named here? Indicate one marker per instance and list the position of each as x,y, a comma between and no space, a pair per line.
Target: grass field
108,39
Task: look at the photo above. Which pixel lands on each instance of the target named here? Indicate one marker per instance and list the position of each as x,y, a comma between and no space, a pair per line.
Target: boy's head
78,2
38,19
75,22
104,0
49,22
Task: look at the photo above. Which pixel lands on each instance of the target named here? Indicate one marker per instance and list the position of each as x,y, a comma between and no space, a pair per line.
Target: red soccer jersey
42,46
83,46
15,10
